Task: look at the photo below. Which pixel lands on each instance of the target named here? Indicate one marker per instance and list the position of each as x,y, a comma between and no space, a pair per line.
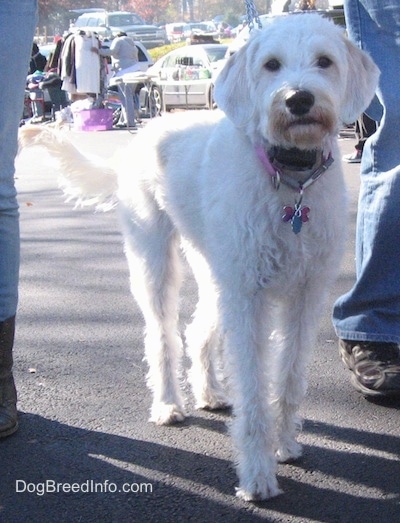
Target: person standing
17,26
367,318
124,55
37,66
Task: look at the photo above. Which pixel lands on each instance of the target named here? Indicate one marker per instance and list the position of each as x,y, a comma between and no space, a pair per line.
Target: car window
95,22
172,66
191,63
196,57
89,21
216,53
121,20
141,56
81,21
202,27
172,59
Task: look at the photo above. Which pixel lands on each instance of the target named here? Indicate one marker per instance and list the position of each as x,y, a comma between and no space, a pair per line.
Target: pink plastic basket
93,120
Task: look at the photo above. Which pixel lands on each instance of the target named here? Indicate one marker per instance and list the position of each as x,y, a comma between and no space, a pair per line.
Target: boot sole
9,432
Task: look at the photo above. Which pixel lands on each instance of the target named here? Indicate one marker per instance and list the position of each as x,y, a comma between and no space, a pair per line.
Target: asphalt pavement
85,451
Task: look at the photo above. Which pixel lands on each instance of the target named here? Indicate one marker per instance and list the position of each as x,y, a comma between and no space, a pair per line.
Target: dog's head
295,81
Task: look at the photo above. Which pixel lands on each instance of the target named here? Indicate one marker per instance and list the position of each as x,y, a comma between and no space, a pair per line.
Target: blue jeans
37,107
17,26
127,93
370,311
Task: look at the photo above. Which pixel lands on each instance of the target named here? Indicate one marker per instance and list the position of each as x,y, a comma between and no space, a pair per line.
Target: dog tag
296,216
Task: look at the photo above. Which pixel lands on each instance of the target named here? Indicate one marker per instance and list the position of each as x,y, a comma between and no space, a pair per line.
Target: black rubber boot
8,393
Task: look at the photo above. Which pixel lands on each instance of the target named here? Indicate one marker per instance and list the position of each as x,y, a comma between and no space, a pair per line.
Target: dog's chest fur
228,207
219,196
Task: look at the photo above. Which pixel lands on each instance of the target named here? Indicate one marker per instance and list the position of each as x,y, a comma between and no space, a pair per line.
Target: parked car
193,28
109,24
175,32
184,78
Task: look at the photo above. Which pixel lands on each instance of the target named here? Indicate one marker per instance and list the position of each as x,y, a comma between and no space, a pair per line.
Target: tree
151,11
56,15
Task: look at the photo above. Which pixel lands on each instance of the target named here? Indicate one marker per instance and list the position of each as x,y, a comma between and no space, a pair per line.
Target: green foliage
158,52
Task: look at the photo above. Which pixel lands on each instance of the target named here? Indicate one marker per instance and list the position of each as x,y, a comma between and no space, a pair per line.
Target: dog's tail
87,181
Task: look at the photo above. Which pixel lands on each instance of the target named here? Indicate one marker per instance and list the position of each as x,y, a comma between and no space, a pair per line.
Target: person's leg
368,127
128,107
367,318
17,24
364,128
355,156
37,101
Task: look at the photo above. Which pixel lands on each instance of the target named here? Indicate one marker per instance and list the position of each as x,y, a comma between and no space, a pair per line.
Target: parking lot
85,451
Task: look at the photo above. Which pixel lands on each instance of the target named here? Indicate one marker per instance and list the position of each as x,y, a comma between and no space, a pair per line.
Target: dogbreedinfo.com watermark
87,487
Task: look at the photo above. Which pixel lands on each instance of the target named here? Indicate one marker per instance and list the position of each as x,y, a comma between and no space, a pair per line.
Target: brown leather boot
8,393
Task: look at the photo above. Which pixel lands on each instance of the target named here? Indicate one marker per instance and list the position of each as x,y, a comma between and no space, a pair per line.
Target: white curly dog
257,199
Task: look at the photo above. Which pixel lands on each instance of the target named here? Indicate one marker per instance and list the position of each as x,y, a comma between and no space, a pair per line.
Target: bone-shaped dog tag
296,216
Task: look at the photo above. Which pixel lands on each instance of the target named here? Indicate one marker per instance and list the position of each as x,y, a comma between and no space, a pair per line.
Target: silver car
185,77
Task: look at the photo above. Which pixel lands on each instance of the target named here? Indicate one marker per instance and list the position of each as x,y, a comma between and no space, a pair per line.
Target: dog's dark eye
272,65
324,62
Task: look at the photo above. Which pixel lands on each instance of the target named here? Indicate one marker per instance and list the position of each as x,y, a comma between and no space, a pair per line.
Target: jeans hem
365,336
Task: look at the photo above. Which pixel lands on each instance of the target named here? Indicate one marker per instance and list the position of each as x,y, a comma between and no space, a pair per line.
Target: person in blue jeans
17,26
367,318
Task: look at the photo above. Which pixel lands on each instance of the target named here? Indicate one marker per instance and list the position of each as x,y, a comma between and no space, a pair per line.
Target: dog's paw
259,490
289,452
216,403
167,413
209,395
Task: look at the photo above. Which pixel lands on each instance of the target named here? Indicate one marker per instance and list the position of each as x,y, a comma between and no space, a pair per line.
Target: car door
197,76
168,77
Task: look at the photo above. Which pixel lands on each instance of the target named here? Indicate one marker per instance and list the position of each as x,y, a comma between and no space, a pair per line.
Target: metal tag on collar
276,179
296,215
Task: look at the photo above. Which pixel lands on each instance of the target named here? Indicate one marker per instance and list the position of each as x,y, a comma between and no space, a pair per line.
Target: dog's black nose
299,102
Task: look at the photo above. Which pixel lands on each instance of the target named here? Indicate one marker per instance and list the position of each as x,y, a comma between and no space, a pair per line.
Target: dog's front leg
292,349
203,340
252,428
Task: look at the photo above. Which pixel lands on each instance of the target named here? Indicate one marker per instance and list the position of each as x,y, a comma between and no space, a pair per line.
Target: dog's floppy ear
362,81
232,88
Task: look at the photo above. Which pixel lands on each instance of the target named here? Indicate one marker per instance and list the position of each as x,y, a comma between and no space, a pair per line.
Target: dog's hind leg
152,250
293,348
203,340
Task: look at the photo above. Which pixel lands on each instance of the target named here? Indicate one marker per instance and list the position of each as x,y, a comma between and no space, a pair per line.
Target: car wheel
116,115
155,101
211,102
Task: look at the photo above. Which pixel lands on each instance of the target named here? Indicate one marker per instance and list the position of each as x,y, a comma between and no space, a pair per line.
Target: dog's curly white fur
197,177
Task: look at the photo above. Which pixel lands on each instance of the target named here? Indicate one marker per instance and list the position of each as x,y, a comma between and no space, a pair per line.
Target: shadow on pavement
175,485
